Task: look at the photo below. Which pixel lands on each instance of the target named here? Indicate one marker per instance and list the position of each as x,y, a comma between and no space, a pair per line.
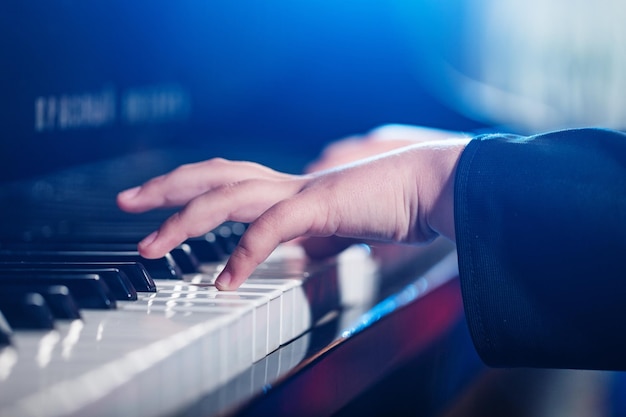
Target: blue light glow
388,306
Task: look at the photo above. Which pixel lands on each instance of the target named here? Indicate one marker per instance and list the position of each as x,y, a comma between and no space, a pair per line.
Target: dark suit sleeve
541,237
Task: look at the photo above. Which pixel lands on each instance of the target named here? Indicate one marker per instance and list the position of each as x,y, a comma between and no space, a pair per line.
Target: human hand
402,196
377,141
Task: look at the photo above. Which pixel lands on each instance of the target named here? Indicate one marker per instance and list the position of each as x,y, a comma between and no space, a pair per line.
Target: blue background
262,76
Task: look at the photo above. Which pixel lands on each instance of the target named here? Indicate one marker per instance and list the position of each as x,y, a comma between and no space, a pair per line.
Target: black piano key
136,272
183,255
206,248
88,290
58,297
28,311
117,281
5,331
61,303
186,259
72,246
162,268
225,238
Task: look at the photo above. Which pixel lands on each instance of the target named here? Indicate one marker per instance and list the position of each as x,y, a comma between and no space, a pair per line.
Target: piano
155,338
91,328
99,97
180,347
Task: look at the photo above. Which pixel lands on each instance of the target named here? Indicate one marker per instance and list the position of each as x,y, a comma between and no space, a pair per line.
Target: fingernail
223,281
130,193
147,241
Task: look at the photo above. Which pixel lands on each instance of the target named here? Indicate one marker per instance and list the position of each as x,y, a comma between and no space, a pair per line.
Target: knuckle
215,163
228,190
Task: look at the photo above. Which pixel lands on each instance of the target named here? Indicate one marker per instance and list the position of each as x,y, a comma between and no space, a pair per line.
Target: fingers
244,202
281,223
346,203
186,182
375,199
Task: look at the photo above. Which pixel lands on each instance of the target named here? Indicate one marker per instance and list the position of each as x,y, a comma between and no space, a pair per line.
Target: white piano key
305,301
280,312
289,316
302,293
259,303
276,294
180,340
289,308
239,347
252,335
262,322
358,276
183,342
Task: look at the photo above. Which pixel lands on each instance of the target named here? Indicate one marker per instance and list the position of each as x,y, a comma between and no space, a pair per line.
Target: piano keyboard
130,332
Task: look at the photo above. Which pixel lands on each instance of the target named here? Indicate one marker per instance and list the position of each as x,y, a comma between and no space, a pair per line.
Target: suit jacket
541,237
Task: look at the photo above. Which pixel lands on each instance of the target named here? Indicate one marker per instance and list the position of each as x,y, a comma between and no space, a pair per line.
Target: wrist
439,210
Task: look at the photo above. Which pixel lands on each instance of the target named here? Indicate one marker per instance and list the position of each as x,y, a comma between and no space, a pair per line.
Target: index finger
281,223
244,201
